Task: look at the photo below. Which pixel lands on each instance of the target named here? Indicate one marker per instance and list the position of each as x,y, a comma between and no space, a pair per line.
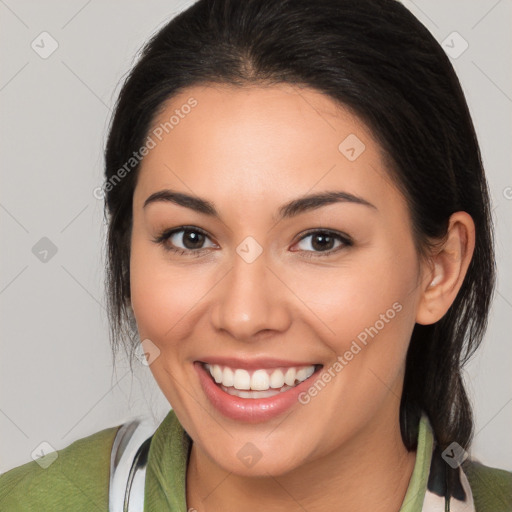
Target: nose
251,300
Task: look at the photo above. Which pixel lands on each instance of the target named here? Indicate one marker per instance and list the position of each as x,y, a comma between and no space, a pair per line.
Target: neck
372,473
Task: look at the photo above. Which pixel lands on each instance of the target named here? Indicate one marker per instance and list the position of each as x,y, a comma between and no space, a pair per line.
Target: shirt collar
167,467
415,494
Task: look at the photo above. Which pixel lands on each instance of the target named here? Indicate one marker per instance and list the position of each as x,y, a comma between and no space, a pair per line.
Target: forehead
253,142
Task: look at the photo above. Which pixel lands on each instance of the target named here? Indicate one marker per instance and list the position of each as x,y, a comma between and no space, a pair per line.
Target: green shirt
78,479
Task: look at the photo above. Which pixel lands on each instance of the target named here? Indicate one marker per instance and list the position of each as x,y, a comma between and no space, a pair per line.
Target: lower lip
250,410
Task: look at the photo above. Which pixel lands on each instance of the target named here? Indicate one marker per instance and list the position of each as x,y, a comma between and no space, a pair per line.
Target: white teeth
228,377
242,379
291,375
277,379
304,373
217,373
254,394
261,380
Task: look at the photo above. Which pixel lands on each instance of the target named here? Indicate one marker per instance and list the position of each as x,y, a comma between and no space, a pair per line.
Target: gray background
56,377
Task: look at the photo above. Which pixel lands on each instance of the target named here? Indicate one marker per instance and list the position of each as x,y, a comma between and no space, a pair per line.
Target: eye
185,240
190,240
323,241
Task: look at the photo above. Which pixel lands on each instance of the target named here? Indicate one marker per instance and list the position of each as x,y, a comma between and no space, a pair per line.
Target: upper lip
255,363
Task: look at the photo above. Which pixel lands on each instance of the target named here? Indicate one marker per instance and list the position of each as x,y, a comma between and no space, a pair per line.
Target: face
233,279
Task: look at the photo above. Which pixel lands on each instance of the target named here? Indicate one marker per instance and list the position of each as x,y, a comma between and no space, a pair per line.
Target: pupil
325,242
195,238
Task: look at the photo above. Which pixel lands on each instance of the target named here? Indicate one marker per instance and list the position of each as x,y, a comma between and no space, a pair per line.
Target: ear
444,273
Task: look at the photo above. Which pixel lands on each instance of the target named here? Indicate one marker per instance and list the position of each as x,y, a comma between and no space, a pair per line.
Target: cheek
367,295
370,311
161,294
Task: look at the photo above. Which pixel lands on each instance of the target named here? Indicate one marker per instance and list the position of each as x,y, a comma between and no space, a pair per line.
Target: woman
300,244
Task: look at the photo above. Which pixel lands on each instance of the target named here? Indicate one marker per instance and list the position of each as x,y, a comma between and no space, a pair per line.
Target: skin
249,150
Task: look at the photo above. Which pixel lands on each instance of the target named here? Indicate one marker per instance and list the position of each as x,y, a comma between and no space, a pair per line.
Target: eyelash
162,238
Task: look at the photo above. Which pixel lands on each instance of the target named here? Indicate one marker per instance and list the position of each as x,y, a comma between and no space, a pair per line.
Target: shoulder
491,487
76,475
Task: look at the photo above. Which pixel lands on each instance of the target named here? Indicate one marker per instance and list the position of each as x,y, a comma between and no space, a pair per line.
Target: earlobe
448,267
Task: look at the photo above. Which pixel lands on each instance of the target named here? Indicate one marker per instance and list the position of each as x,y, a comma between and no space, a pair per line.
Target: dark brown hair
375,58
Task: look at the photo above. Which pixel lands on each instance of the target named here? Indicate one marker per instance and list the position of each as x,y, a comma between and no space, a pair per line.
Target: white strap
127,478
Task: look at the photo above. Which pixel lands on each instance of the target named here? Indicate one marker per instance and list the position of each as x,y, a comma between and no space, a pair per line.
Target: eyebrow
290,209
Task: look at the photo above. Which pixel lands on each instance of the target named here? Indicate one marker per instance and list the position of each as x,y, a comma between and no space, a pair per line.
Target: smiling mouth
259,383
